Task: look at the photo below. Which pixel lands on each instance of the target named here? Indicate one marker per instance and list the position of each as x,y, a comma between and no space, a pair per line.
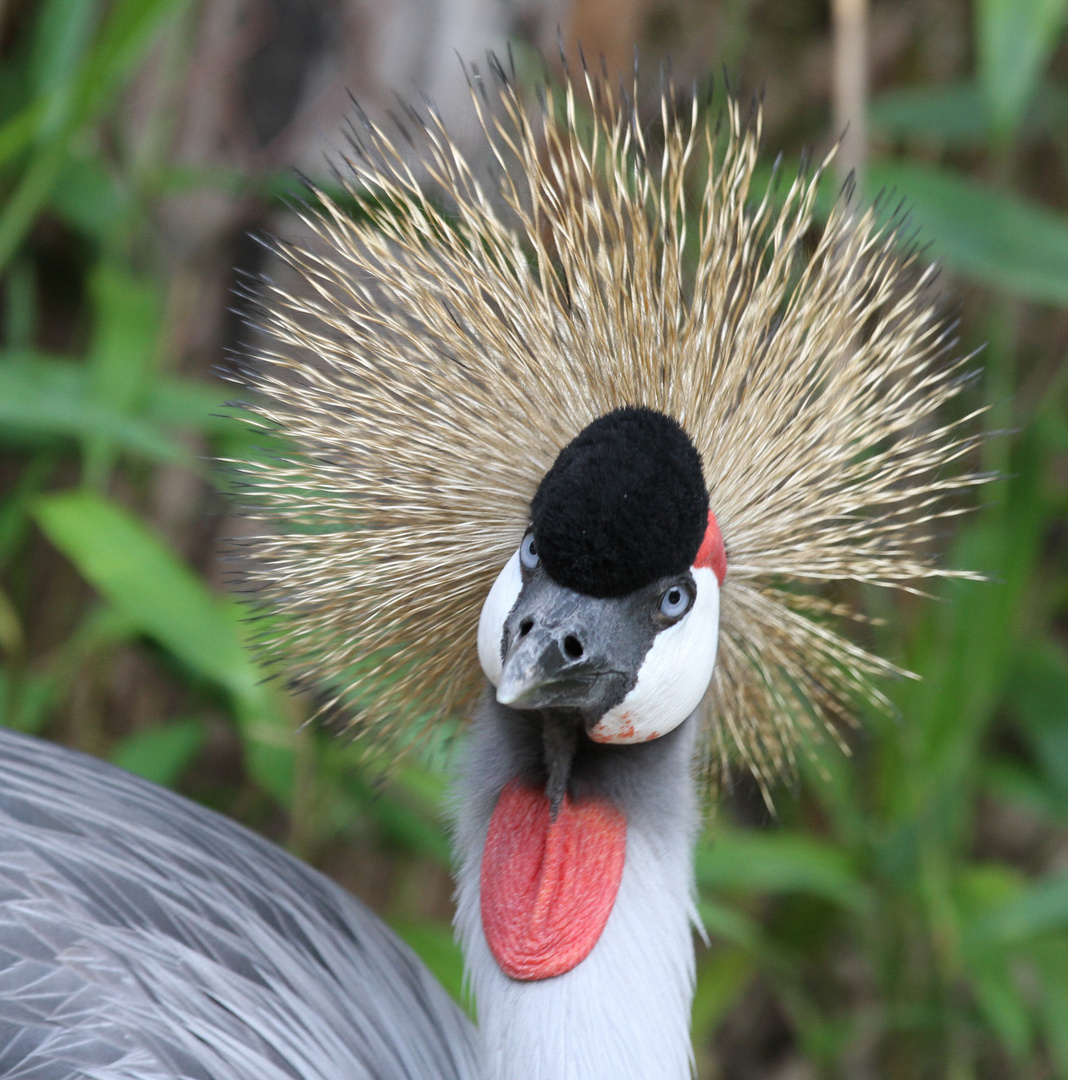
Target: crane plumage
454,333
143,937
586,438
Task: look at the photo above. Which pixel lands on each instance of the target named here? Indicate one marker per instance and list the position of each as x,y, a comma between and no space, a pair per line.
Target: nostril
572,646
525,627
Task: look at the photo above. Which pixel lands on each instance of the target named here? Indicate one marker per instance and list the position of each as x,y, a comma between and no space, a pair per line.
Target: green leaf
992,237
985,888
1003,1006
955,114
1038,695
62,35
40,396
1040,907
18,132
1051,957
20,305
15,506
780,863
76,81
197,405
161,754
268,741
34,704
122,353
428,787
409,821
167,602
42,690
1015,40
129,31
434,944
161,596
722,921
722,976
31,193
962,660
11,633
1012,783
86,196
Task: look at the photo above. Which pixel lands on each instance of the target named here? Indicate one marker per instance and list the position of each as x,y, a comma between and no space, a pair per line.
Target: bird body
143,937
586,445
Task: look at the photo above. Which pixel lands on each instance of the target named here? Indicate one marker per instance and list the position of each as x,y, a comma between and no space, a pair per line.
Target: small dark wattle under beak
539,675
570,658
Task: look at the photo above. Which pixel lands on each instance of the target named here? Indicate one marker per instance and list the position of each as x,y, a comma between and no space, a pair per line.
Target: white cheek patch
499,602
674,674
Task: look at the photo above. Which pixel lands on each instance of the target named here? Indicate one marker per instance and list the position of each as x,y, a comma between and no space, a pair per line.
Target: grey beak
536,671
561,652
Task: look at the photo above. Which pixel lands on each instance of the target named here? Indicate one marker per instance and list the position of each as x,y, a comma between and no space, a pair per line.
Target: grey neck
624,1012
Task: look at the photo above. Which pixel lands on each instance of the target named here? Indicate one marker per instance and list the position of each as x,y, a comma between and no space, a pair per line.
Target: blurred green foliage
907,914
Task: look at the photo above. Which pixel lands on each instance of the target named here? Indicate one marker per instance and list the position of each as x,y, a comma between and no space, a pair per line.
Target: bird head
607,614
517,402
602,628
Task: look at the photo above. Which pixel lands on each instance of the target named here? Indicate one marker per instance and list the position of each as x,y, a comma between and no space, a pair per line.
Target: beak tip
510,691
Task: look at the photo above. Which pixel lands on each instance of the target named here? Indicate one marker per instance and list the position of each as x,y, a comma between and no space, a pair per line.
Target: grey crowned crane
570,453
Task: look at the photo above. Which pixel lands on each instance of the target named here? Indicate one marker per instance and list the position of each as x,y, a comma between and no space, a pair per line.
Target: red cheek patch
548,886
712,554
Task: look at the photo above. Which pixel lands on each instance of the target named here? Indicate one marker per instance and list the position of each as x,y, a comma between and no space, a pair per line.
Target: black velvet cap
624,504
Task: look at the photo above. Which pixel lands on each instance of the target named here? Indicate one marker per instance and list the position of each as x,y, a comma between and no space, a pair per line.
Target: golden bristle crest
449,338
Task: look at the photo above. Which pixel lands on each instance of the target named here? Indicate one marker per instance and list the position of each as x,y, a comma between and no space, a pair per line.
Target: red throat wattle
712,553
547,885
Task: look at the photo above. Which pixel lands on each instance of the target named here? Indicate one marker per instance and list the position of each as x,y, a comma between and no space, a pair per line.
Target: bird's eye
528,552
676,601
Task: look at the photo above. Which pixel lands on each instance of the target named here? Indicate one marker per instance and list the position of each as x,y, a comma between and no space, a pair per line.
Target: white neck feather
624,1012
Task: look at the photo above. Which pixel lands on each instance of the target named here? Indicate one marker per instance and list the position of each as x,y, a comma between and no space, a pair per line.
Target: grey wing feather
144,936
